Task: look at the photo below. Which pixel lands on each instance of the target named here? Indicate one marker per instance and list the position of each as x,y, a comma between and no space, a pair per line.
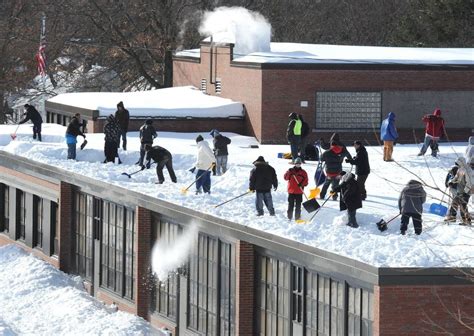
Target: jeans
264,197
416,218
294,202
37,131
203,180
71,151
294,147
333,181
432,142
221,164
123,134
168,162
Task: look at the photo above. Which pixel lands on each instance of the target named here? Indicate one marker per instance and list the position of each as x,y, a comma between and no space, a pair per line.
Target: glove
192,169
148,165
275,189
143,167
251,190
332,193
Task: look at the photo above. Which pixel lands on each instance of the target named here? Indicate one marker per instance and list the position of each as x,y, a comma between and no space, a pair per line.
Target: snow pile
38,299
185,101
249,31
439,245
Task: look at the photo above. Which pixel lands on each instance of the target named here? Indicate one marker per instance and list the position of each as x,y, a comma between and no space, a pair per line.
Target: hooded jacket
412,198
33,115
158,153
350,194
263,177
297,179
361,161
293,132
74,127
464,177
220,144
469,155
434,124
333,158
122,116
388,132
147,134
205,157
112,130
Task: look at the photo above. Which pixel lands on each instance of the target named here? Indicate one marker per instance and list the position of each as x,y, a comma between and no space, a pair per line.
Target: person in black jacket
410,204
163,158
262,178
220,151
147,135
453,191
123,118
350,197
112,138
361,161
332,158
35,117
72,131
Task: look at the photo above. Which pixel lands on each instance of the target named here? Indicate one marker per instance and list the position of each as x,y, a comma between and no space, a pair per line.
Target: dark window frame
83,234
54,218
38,221
20,214
4,208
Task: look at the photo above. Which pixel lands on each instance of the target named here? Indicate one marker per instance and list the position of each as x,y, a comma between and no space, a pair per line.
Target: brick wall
142,252
65,234
409,310
245,289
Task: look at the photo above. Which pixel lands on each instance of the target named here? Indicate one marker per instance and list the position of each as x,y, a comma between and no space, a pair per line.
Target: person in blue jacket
388,134
72,131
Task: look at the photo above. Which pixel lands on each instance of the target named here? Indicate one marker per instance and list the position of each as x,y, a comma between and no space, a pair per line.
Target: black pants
460,202
168,162
294,202
37,131
416,218
110,151
143,152
361,184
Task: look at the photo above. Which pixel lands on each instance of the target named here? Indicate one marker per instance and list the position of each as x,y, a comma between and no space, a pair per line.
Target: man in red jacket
433,132
297,179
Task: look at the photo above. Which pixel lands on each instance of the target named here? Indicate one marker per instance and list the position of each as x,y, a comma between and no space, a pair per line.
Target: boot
450,218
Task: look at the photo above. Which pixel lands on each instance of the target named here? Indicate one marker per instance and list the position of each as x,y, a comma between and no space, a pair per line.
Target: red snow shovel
382,225
13,135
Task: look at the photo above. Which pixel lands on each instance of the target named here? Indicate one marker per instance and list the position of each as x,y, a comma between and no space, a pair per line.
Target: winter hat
199,138
358,143
214,133
120,104
26,105
293,115
149,121
259,159
437,112
297,161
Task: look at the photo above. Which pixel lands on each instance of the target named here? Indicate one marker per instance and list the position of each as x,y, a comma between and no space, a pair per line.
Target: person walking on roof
163,158
34,116
434,130
123,118
293,134
388,134
463,182
410,204
72,131
361,161
147,134
262,178
350,199
112,138
204,163
297,179
333,158
220,151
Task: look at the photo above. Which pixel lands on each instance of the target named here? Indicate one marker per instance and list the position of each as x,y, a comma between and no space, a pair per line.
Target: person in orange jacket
297,179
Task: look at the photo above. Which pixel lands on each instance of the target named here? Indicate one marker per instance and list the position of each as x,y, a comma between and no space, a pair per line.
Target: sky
439,245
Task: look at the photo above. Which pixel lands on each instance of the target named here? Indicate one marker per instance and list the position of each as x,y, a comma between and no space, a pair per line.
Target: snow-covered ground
440,245
38,299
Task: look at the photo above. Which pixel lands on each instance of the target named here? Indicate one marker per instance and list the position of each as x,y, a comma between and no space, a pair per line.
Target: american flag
41,59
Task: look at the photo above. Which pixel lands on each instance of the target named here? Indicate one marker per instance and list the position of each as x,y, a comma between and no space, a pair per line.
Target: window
83,234
311,304
203,286
117,258
4,208
337,308
274,295
20,213
38,221
218,86
297,292
324,307
367,313
55,227
227,289
348,110
204,85
165,291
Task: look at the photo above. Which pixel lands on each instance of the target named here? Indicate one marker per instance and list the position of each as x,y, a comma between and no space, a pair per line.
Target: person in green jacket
293,135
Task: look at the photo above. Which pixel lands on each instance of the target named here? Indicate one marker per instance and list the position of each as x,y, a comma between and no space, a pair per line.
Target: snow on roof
439,245
185,101
336,54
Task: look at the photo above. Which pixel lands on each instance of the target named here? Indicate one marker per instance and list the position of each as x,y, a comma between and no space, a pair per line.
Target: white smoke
248,30
166,258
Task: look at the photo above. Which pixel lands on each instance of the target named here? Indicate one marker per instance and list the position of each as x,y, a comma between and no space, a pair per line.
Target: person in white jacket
204,162
469,155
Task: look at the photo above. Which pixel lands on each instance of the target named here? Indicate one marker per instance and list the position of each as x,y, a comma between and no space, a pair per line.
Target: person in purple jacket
388,134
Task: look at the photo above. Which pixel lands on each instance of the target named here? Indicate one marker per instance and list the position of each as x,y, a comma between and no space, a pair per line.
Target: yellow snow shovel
185,190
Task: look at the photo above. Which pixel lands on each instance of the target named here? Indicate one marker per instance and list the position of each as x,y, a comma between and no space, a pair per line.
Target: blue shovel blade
438,209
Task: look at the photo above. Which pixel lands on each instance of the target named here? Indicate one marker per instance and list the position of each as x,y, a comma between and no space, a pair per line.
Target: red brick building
347,94
237,280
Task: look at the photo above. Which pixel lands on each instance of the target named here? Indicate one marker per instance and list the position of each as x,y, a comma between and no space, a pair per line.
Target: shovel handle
325,201
189,186
296,180
233,198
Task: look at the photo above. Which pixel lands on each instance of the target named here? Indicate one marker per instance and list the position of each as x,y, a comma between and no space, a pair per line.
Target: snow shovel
439,209
234,198
303,221
185,190
84,143
130,175
13,135
382,225
310,205
319,178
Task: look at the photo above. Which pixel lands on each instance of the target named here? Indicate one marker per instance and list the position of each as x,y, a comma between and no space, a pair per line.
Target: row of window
113,226
41,211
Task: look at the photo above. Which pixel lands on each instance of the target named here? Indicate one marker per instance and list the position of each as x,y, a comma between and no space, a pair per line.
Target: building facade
236,280
351,99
